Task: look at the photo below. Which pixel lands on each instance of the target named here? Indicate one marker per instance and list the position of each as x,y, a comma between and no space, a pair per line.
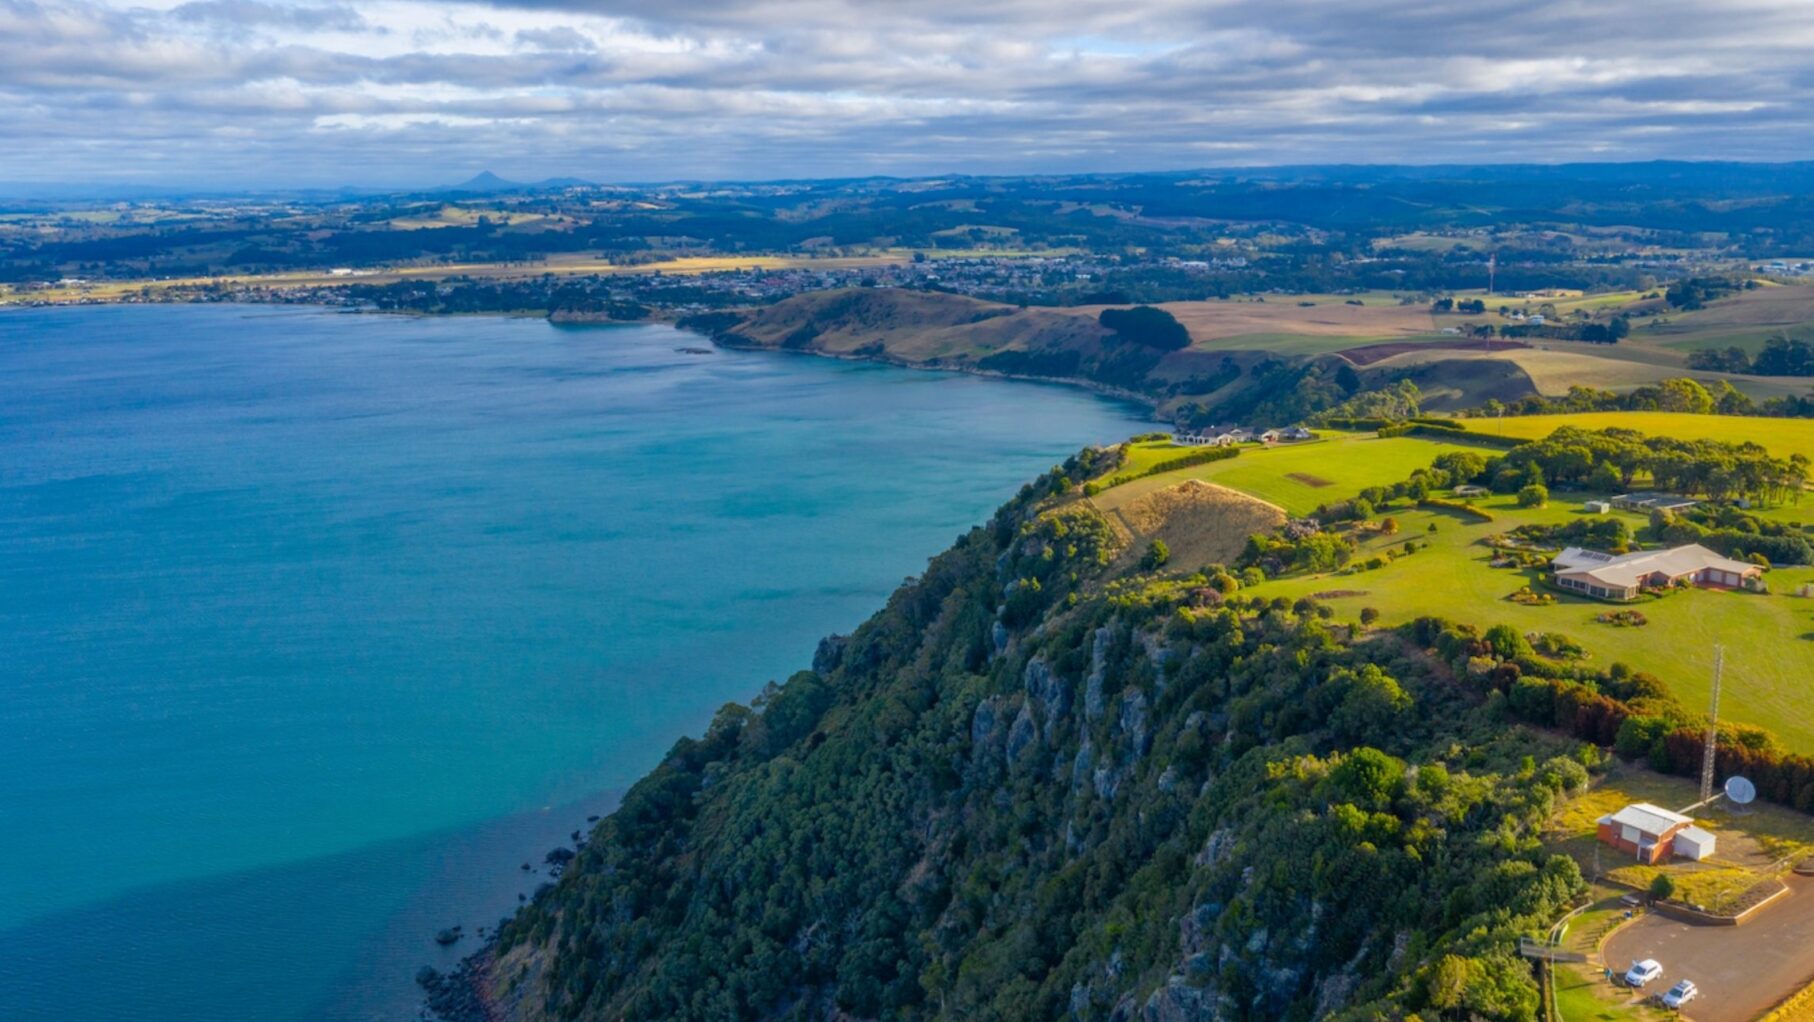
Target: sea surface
316,627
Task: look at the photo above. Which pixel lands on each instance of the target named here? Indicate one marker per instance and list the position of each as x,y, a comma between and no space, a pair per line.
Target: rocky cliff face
1029,788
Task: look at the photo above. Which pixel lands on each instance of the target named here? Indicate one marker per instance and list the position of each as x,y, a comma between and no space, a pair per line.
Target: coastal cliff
1043,782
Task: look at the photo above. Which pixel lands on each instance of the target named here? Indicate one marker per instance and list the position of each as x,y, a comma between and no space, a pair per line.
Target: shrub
1157,553
1533,495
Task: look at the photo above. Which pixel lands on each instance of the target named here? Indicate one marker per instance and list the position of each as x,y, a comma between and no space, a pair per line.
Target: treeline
1611,460
1201,456
1675,395
1781,356
1692,293
1611,331
1632,713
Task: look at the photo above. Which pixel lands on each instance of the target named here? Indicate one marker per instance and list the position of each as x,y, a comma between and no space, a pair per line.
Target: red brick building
1648,833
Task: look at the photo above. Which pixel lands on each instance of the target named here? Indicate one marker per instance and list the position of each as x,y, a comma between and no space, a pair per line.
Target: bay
313,624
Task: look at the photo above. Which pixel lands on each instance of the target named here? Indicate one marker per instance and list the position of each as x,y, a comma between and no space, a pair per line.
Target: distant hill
487,183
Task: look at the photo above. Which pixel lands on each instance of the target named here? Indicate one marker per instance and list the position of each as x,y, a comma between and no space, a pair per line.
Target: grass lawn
1142,456
1296,477
1582,991
1769,656
1782,437
1583,996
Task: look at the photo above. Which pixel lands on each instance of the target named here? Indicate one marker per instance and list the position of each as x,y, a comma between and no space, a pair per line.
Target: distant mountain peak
486,181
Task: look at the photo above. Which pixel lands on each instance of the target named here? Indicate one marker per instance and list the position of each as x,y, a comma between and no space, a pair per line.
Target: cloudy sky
410,92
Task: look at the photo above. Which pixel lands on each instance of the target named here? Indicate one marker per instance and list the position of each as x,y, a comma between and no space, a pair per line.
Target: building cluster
1227,436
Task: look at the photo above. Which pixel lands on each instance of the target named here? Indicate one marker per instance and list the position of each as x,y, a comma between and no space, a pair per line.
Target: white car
1681,994
1643,972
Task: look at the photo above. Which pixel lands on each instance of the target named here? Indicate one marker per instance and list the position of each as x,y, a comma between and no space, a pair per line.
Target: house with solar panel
1625,576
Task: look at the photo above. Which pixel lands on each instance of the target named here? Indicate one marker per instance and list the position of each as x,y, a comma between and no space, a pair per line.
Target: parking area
1742,971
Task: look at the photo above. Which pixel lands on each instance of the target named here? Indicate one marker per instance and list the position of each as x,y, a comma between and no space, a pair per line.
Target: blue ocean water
314,625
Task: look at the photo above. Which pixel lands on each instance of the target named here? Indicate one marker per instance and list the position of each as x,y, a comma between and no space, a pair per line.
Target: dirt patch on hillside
1201,523
1367,354
1309,480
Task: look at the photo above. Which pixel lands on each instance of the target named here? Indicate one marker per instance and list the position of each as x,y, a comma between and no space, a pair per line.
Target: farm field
1769,638
1745,320
1554,366
1292,324
1296,477
1782,437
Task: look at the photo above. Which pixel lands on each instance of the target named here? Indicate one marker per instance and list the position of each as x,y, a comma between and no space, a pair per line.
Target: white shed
1694,843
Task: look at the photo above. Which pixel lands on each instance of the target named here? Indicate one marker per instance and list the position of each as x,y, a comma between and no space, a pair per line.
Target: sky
272,93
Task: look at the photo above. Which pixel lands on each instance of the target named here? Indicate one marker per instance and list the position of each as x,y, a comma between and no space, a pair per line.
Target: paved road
1742,971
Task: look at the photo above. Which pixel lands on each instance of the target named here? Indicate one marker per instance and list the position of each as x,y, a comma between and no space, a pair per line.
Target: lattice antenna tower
1713,725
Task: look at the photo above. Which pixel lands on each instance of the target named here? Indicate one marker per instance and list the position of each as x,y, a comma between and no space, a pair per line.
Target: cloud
272,91
257,14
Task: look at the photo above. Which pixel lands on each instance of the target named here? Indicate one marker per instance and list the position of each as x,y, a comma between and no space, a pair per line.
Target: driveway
1742,970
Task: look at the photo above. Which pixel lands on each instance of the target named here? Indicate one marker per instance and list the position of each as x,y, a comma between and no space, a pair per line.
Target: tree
1157,554
1507,642
1368,776
1146,326
1684,395
1534,495
1462,466
1368,615
1662,888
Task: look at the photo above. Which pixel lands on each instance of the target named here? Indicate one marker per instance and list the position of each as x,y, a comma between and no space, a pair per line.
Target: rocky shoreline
460,994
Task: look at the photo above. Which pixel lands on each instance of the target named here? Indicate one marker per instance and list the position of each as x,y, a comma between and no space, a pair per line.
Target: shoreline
1146,401
666,318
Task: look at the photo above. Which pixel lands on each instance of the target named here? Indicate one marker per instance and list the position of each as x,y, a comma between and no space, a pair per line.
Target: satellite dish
1741,791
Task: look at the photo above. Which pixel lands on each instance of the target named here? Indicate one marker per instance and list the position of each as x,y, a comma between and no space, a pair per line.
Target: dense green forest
1036,786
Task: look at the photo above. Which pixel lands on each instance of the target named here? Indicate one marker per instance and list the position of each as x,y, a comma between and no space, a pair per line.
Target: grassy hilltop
1769,655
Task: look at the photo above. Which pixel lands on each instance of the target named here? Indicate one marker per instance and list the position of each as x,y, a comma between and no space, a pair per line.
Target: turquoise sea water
313,626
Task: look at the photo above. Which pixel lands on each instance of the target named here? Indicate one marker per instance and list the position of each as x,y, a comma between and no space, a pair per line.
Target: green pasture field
1297,477
1768,638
